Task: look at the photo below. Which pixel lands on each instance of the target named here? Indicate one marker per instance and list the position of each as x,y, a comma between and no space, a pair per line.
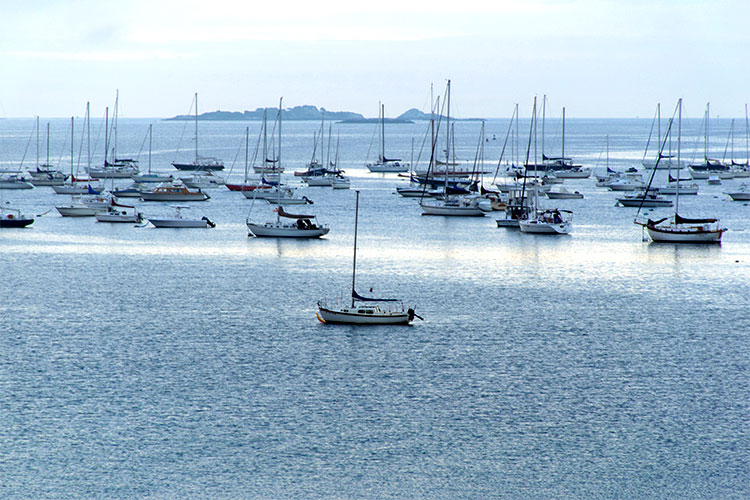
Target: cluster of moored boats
443,188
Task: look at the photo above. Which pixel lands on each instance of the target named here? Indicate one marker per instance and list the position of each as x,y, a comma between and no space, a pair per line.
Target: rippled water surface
149,363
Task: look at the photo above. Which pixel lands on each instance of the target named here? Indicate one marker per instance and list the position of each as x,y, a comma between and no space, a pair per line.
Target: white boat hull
451,211
177,223
535,227
685,234
76,211
351,316
174,197
274,230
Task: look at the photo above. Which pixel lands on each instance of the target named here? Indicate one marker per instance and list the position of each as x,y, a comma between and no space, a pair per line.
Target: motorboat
743,194
455,206
174,192
203,180
573,173
548,221
117,213
12,217
15,181
288,225
341,182
563,194
648,198
178,220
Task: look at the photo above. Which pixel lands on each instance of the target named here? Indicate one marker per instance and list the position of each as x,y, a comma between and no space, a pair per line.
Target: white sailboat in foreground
679,229
364,310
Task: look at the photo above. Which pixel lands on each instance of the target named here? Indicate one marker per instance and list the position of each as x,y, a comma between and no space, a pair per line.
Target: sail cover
357,296
282,213
685,220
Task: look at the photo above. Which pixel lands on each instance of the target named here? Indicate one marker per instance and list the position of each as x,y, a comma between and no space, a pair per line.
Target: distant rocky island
306,112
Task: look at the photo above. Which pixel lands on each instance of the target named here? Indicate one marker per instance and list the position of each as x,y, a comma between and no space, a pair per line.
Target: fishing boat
12,217
364,310
174,192
178,220
199,162
678,229
383,164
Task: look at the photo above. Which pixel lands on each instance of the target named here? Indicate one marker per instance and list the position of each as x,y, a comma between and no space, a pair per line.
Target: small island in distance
306,112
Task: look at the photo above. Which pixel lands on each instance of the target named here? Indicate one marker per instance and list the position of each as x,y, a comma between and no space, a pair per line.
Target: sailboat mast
382,132
679,136
747,139
37,142
106,135
71,150
447,131
265,139
247,149
354,261
544,119
196,127
279,156
563,136
114,126
88,136
705,137
150,126
48,140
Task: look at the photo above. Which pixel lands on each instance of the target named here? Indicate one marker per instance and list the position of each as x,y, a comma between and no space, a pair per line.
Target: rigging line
145,136
184,127
31,135
64,147
502,152
650,132
236,155
96,138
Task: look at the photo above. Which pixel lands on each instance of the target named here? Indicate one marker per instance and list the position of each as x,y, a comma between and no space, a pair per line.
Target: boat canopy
357,296
385,160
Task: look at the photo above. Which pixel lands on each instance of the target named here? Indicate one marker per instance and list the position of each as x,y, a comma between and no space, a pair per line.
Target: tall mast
354,262
48,141
679,136
150,126
106,135
265,140
447,131
196,127
71,150
279,156
516,138
705,137
247,149
747,139
88,136
37,142
563,136
658,123
544,119
382,132
114,126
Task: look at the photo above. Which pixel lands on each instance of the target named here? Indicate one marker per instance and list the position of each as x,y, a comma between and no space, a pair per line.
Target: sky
598,58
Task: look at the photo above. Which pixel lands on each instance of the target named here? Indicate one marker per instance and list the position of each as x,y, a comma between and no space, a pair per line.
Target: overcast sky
598,58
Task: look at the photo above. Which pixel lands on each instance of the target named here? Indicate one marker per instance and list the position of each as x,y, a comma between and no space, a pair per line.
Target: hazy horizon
599,59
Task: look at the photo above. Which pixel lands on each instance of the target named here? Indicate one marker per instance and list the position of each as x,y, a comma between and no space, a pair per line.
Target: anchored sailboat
678,229
364,310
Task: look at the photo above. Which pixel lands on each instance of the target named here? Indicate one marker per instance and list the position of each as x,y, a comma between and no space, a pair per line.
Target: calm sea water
147,363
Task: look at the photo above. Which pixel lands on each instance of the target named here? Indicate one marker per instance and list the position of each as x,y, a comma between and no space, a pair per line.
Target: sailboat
449,205
45,175
383,164
304,226
114,167
12,217
541,220
199,162
150,176
667,161
678,229
709,166
364,310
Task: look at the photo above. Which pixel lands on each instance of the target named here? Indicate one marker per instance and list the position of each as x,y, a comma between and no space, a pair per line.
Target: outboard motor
208,221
